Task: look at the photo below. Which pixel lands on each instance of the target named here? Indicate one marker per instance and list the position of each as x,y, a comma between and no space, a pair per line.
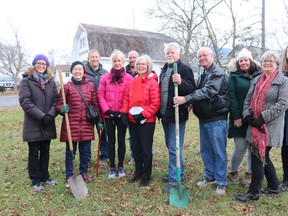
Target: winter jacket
187,86
94,76
276,104
81,128
211,98
111,95
36,103
150,98
239,84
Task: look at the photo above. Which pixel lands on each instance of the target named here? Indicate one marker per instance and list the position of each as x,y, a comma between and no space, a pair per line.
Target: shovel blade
179,197
78,187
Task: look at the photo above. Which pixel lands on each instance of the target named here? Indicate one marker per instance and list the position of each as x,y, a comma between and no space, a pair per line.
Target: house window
67,74
83,42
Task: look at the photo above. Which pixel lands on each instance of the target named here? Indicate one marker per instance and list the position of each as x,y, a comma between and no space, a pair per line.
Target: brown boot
247,179
233,176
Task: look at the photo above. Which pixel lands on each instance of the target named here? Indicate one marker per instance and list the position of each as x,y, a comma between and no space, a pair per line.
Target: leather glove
138,117
65,108
124,119
113,114
249,119
100,126
258,122
47,120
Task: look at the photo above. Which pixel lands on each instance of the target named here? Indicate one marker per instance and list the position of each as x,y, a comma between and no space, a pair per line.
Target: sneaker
269,190
87,178
284,186
67,186
38,187
206,182
221,190
168,187
131,162
121,172
112,174
247,179
50,182
103,163
233,176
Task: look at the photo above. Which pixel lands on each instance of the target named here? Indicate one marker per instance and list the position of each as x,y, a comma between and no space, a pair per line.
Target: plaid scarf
260,136
41,80
116,75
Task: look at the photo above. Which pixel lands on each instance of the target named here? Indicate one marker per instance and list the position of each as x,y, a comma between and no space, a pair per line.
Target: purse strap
82,96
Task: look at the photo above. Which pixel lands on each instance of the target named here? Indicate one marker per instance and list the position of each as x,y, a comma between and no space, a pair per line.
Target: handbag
92,114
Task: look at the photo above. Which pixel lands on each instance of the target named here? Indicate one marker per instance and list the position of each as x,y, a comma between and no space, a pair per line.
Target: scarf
136,87
116,75
41,80
260,136
77,82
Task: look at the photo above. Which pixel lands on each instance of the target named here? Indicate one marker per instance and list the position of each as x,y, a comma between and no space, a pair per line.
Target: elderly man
185,80
95,71
210,104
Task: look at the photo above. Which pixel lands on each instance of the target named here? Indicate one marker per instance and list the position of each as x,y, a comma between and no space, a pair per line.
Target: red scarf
136,87
260,136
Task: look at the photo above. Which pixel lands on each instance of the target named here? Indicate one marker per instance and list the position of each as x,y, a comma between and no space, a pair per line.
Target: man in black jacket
94,72
211,104
186,85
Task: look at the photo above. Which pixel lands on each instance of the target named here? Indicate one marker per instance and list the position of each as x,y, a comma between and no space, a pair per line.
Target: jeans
170,139
84,149
38,161
213,150
241,146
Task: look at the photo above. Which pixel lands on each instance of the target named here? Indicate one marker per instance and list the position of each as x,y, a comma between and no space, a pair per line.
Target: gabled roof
106,39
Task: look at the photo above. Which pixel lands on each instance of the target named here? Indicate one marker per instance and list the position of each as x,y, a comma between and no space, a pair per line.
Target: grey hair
172,45
208,49
119,54
148,60
270,54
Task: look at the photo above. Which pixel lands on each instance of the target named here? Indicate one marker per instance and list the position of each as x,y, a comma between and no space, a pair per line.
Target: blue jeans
170,139
84,149
213,143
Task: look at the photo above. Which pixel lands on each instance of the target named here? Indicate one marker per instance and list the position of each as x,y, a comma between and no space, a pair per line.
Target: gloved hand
47,120
258,122
100,126
65,108
124,119
113,114
249,119
138,117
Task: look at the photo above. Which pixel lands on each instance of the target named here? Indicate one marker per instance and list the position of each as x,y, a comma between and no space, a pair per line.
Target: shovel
76,182
179,196
98,153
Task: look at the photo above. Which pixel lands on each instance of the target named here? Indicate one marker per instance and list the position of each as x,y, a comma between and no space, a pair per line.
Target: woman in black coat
37,97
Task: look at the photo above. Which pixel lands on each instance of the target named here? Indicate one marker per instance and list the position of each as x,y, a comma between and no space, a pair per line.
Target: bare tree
13,58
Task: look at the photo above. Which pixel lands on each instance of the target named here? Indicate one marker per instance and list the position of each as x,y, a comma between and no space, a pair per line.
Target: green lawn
118,197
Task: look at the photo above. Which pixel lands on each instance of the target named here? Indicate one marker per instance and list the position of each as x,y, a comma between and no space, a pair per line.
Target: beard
170,60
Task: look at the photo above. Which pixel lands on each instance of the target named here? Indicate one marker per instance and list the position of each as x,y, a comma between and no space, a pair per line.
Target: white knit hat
244,53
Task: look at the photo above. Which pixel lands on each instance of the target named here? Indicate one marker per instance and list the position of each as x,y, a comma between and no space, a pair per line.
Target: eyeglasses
141,64
40,63
268,61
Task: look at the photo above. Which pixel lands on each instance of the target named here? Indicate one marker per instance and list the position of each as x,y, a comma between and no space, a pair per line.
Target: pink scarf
260,136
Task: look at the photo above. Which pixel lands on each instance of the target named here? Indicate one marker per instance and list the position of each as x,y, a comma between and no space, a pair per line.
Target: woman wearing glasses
37,97
264,109
141,103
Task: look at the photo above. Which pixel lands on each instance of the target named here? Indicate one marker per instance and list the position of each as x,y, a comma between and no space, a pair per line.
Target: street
9,101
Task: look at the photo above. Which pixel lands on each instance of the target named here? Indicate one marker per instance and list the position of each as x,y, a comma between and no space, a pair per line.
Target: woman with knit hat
142,93
82,131
111,92
264,110
37,97
239,83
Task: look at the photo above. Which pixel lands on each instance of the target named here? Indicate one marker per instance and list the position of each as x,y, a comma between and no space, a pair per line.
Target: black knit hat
77,63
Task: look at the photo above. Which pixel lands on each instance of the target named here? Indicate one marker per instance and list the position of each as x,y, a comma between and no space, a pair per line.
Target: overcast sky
52,24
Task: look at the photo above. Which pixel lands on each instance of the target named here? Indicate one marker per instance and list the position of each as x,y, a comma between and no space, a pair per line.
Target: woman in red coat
141,103
82,131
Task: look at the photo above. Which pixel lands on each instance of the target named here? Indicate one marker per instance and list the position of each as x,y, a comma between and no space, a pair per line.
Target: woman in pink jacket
141,103
110,94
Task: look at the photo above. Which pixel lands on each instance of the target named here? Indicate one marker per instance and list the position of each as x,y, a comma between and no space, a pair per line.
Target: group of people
249,105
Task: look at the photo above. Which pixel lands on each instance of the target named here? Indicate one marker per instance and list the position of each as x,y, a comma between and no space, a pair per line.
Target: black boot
246,197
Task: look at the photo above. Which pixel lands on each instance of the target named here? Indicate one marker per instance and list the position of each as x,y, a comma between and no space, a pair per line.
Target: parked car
6,82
